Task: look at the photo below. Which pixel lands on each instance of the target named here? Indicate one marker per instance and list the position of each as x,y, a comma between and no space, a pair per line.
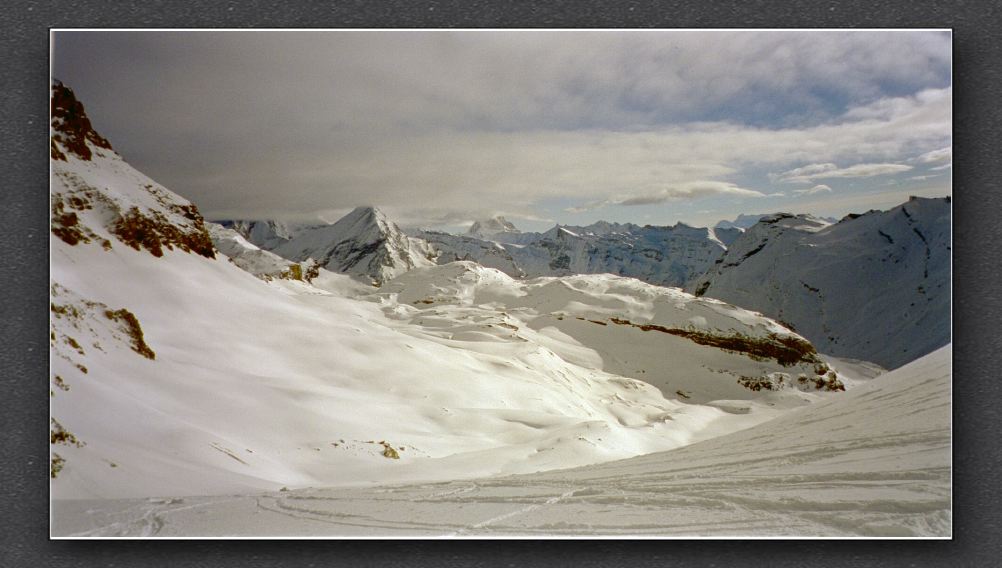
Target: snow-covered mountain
742,221
366,243
363,243
97,198
666,256
253,259
491,254
746,221
727,235
178,369
265,234
617,325
489,228
874,287
187,361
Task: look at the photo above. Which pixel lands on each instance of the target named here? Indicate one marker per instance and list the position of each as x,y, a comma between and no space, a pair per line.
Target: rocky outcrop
71,129
138,212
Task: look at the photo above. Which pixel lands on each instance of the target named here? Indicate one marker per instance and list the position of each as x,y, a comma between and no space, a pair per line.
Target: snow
254,382
875,462
247,255
266,234
873,287
669,256
489,228
742,222
258,385
363,243
189,388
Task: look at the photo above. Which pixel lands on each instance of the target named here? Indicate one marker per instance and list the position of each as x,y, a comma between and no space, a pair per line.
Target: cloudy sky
441,127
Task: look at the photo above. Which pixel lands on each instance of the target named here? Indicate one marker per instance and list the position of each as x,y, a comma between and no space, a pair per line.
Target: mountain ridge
364,243
873,286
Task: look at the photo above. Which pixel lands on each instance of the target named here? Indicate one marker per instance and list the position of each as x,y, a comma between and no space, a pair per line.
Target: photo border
24,353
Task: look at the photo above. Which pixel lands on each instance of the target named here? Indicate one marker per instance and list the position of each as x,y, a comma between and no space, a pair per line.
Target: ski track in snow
506,516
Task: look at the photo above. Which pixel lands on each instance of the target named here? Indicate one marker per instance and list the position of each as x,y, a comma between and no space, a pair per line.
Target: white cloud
820,188
469,172
943,167
675,192
813,172
923,177
941,155
803,172
687,191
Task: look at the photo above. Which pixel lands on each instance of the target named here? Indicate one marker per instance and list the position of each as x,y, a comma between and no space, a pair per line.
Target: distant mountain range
873,286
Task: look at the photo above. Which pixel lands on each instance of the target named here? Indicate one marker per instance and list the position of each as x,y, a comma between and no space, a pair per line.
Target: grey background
24,250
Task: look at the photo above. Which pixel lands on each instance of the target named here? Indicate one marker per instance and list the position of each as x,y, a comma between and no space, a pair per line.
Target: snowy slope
874,462
363,243
260,263
874,287
175,371
97,198
695,350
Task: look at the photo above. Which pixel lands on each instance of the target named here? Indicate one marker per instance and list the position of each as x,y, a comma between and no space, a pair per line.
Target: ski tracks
505,516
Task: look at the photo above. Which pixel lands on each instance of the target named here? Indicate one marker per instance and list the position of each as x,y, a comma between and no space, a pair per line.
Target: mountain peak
71,128
105,198
364,243
366,220
366,211
742,221
492,226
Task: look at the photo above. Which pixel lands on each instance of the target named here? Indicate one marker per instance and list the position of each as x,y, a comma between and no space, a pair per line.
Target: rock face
72,132
874,287
363,243
96,197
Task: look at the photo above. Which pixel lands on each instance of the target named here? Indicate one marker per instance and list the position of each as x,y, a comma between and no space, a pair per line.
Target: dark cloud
457,124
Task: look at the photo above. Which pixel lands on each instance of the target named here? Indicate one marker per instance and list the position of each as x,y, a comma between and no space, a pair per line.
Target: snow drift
875,462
